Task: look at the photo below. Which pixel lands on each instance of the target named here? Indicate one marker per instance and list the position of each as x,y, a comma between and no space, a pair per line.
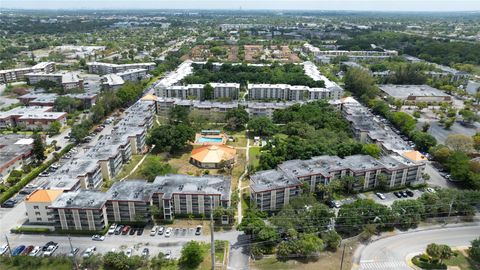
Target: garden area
438,256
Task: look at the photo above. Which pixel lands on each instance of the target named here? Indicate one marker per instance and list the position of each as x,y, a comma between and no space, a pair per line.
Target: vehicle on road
153,231
112,228
129,252
50,250
36,251
73,252
380,195
3,249
27,250
125,230
89,251
145,252
168,232
10,203
161,230
18,250
97,237
198,230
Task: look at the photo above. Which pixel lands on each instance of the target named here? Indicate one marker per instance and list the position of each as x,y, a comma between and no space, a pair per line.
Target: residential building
31,117
18,74
415,93
48,99
68,80
15,151
114,81
352,55
37,205
196,91
106,68
291,92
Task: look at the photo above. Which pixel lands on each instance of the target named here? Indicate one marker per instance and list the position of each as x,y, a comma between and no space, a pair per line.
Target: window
35,207
37,213
39,219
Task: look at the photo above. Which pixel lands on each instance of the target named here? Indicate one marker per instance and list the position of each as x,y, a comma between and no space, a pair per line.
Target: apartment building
48,99
15,151
80,210
196,91
130,201
106,68
272,189
352,55
18,74
31,117
68,80
291,92
114,81
37,205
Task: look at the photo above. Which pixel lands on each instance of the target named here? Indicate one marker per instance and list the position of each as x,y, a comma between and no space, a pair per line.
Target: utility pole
74,255
9,247
343,255
212,241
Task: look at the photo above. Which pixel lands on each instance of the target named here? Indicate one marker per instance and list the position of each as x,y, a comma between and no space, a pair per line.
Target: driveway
391,252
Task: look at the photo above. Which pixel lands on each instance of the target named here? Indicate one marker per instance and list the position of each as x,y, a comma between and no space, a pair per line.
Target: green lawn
127,168
254,155
461,261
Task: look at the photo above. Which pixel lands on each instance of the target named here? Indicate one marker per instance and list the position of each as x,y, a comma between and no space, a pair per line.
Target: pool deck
222,136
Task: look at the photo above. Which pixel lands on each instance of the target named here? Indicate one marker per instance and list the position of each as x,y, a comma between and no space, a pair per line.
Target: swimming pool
209,140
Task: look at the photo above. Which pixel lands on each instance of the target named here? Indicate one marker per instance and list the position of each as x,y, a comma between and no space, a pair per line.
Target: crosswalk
383,265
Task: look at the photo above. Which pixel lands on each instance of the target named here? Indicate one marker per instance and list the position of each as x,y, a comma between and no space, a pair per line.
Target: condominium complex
48,99
130,201
291,92
106,68
105,159
18,74
37,205
196,91
114,81
68,80
327,55
31,117
15,151
272,189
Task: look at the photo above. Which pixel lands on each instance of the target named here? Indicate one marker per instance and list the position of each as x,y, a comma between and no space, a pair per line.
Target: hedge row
34,173
423,261
30,230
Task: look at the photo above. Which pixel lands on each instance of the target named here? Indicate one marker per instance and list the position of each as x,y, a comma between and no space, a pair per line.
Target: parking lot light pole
212,241
9,247
74,255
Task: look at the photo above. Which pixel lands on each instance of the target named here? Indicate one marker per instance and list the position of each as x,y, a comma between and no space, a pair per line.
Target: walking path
239,205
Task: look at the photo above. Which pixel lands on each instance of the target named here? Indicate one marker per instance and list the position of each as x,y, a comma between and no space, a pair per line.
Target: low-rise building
291,92
18,74
196,91
37,205
31,117
15,151
114,81
68,80
48,99
106,68
415,93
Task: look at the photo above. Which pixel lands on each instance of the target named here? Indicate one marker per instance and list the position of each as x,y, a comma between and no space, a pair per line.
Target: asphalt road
391,252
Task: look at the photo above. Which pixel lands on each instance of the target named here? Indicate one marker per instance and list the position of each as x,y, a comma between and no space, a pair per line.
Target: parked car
132,231
36,251
118,230
145,252
18,250
140,231
153,231
112,228
97,237
89,251
168,255
333,204
409,193
198,230
161,230
380,195
168,232
50,250
73,252
129,252
27,250
431,190
10,203
403,193
125,230
397,194
4,249
50,243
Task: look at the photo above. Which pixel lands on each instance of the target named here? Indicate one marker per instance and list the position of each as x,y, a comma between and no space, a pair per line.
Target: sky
364,5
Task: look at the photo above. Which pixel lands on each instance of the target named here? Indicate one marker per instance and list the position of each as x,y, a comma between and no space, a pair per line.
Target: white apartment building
37,205
106,68
196,91
18,74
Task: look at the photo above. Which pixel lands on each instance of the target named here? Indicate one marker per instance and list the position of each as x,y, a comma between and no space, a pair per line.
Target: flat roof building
106,68
415,93
15,151
18,74
37,205
31,117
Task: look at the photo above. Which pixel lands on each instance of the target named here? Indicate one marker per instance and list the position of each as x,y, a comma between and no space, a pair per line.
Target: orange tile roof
213,153
149,97
44,195
414,156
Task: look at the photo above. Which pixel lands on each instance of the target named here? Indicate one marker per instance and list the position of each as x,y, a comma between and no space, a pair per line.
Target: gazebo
213,156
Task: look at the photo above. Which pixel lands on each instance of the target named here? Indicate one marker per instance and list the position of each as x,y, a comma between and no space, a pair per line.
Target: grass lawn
254,155
326,261
127,168
462,261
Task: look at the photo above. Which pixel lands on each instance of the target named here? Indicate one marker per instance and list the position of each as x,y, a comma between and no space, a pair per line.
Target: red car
27,250
125,230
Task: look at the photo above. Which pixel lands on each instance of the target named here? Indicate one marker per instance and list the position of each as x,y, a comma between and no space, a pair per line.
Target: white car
431,190
380,195
168,255
3,249
50,250
129,252
112,228
153,231
168,232
97,237
36,250
89,251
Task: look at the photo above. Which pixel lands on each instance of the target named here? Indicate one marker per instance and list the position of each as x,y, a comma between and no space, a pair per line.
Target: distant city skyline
353,5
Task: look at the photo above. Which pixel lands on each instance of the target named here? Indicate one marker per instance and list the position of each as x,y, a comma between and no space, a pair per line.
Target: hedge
423,261
30,230
31,175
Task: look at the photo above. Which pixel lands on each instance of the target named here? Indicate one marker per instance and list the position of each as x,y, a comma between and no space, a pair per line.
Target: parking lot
390,196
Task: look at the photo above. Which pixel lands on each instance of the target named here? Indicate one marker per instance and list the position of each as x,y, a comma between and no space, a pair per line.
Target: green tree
474,250
403,121
261,126
409,213
423,141
154,167
178,114
171,137
192,255
360,83
208,92
331,239
38,150
372,150
236,119
66,104
383,183
460,142
54,128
